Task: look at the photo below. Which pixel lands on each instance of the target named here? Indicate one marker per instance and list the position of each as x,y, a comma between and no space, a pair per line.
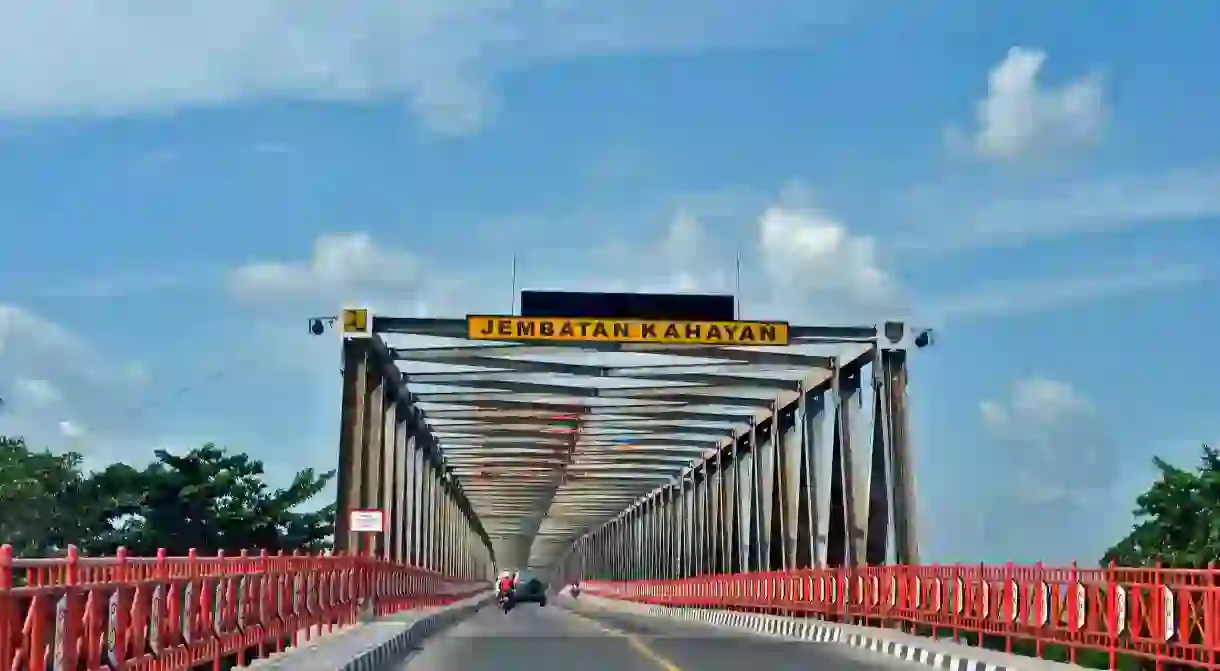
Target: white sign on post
366,521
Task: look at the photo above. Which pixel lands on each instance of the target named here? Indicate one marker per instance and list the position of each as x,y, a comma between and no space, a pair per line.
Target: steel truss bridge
631,460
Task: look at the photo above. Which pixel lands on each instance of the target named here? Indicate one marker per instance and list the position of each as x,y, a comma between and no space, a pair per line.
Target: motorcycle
575,591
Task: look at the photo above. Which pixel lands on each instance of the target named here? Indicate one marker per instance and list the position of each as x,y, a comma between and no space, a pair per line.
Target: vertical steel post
402,523
351,441
755,535
374,422
389,487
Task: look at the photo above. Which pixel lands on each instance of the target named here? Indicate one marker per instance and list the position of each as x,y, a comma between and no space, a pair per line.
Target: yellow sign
356,321
664,332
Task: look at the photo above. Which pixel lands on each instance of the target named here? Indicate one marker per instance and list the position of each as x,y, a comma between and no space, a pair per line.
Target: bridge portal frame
737,508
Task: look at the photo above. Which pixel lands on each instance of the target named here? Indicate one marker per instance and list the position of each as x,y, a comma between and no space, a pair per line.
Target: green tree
40,512
210,500
207,499
1177,519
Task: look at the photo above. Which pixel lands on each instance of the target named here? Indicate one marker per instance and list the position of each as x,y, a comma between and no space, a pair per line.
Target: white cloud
1045,481
682,246
1036,405
682,258
1020,117
802,263
70,429
38,393
58,383
1049,438
1047,294
101,59
1106,205
682,261
977,217
343,266
24,333
809,255
183,277
812,263
61,392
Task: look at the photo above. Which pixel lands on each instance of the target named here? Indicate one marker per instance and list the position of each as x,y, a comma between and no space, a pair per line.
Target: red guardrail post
8,609
178,613
1161,616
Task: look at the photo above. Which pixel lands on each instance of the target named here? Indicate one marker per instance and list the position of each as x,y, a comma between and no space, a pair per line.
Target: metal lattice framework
548,442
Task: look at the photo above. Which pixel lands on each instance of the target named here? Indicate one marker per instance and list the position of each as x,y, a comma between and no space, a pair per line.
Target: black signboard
679,307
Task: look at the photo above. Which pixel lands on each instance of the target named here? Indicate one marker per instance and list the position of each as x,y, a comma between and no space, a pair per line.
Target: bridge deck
556,639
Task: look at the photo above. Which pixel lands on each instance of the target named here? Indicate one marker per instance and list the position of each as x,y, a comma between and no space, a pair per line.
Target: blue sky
180,190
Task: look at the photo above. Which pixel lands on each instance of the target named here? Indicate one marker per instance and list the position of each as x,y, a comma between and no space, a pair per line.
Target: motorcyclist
504,585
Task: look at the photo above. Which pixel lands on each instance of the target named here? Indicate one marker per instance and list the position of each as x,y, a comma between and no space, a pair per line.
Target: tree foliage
207,499
42,503
1177,519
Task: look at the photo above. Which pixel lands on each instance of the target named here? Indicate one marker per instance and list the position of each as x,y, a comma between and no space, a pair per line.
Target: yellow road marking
632,640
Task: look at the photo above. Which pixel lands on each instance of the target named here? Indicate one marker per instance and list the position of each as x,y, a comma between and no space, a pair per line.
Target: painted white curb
814,631
373,645
398,647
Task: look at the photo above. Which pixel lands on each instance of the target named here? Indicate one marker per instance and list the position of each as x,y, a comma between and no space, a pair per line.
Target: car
529,588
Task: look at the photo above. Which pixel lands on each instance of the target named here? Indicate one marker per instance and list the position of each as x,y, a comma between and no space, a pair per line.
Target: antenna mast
514,301
737,288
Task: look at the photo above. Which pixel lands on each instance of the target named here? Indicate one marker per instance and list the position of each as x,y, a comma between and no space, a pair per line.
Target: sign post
368,521
357,323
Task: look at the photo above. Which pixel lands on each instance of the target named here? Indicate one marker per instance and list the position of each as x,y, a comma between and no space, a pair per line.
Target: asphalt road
532,638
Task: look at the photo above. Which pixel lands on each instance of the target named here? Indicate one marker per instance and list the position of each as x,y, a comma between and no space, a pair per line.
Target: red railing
172,613
1163,616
